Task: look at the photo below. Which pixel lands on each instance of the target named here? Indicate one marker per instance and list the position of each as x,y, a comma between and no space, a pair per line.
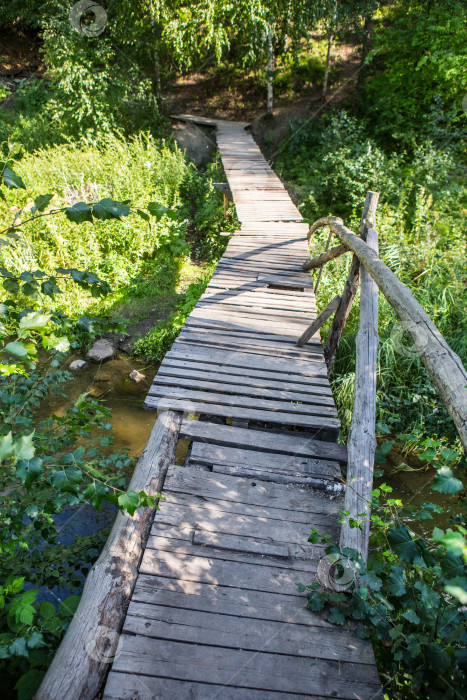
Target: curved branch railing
441,362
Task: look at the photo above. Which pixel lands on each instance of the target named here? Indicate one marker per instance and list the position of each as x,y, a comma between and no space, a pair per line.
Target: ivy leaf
41,202
96,492
35,640
129,501
79,213
109,209
404,546
24,448
12,180
411,616
315,602
438,658
28,471
11,286
17,349
50,288
86,323
446,482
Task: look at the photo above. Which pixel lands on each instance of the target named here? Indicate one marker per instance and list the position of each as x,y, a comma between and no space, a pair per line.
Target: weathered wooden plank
164,390
216,384
299,367
278,387
320,321
272,379
236,667
129,686
327,523
262,494
317,424
203,453
257,635
261,440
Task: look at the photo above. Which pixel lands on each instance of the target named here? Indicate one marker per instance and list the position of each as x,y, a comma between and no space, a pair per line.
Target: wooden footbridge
212,578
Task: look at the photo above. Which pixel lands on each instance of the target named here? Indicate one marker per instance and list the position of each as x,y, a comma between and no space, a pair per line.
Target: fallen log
88,647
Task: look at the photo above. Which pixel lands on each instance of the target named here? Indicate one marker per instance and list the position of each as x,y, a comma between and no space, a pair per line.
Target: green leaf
438,658
143,214
67,480
28,684
41,202
24,448
411,616
50,288
79,213
11,286
17,349
451,565
336,617
34,321
458,589
109,209
96,493
12,180
86,323
404,546
69,606
29,471
395,584
19,647
6,447
47,610
446,482
129,501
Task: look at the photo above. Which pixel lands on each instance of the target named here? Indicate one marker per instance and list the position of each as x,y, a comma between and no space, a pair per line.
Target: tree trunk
270,73
83,657
363,67
331,32
156,77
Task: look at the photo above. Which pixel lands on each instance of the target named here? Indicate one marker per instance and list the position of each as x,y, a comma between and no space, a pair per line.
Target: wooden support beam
87,649
351,284
323,258
362,440
319,321
224,188
441,362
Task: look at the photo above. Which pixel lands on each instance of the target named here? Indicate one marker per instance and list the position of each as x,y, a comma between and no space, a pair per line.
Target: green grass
421,222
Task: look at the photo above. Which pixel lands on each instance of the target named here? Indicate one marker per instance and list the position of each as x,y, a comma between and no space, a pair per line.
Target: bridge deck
216,611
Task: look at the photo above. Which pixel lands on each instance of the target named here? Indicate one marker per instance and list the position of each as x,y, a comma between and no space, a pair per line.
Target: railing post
362,440
351,286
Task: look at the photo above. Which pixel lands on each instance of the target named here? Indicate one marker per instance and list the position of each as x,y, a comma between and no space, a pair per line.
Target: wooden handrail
442,363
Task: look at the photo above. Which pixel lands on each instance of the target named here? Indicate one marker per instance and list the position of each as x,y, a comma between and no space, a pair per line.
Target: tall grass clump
421,223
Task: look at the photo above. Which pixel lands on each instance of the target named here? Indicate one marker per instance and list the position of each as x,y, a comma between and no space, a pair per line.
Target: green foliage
420,220
406,599
160,339
418,61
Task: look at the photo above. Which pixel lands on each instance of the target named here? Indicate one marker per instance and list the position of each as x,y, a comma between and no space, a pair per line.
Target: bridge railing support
441,362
